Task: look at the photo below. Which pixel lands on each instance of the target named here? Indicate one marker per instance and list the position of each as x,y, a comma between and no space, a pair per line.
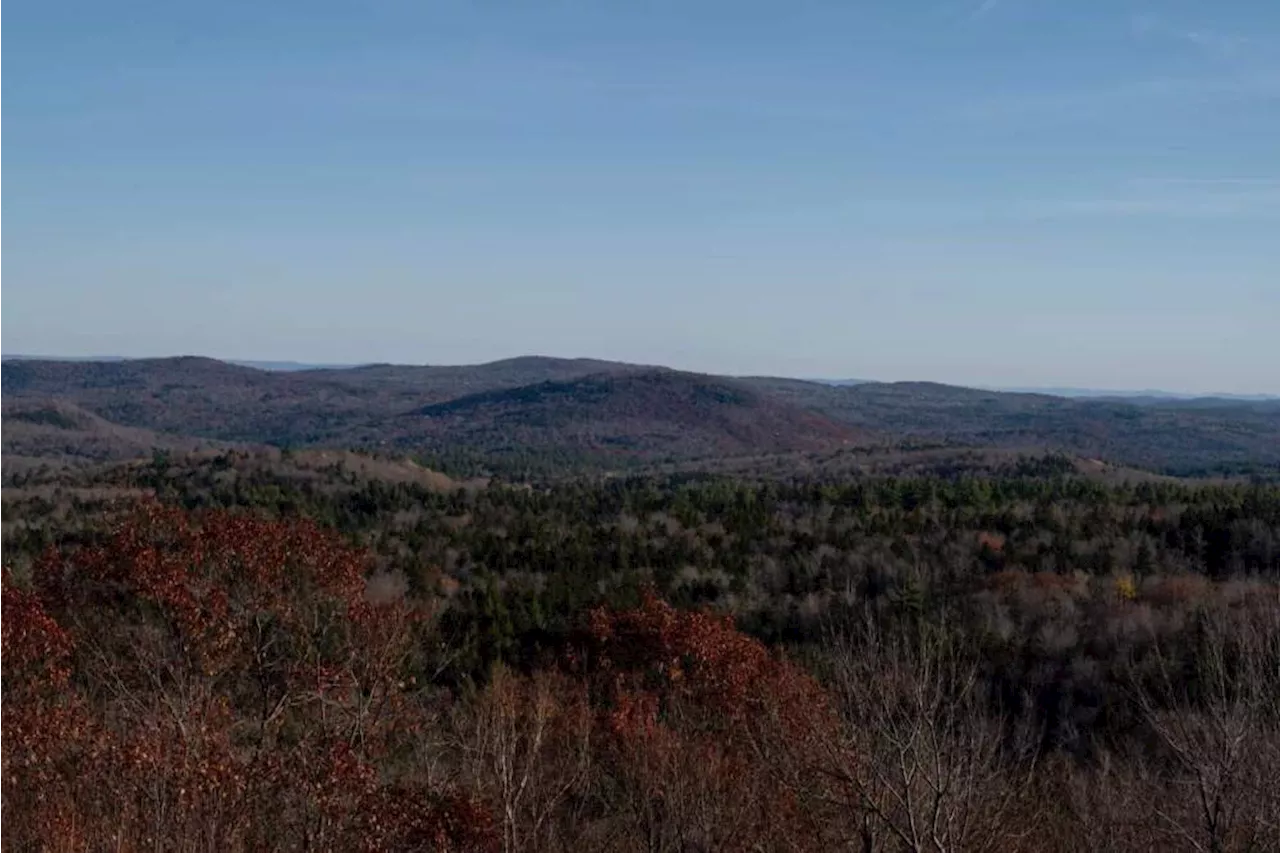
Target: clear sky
996,192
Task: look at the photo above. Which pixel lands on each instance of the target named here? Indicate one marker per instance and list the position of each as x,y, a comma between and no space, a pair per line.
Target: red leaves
702,724
696,656
46,731
193,571
218,677
40,722
993,542
222,681
404,818
35,647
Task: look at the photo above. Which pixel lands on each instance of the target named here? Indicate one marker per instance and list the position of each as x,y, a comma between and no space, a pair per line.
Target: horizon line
1063,391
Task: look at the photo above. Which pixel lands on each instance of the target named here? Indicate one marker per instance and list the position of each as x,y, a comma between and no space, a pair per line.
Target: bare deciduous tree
1213,715
933,770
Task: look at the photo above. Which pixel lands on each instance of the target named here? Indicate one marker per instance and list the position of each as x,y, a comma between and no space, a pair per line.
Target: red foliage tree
218,681
46,730
714,741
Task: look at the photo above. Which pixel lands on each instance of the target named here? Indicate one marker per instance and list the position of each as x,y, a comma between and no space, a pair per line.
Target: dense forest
274,650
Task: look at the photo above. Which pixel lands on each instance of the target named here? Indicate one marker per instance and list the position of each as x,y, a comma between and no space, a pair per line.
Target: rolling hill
37,429
1182,437
654,413
599,411
213,399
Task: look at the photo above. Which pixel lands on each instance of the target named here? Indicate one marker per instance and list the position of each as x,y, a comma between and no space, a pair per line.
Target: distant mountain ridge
600,409
653,410
1147,394
260,365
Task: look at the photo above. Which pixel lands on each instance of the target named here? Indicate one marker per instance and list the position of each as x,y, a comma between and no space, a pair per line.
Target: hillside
653,414
213,399
584,411
1184,437
36,429
439,383
192,396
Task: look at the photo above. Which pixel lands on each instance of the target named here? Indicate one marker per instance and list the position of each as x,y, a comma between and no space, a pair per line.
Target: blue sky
998,192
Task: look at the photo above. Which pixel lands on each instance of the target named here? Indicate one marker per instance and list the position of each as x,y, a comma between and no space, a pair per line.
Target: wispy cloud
1217,43
986,7
1212,43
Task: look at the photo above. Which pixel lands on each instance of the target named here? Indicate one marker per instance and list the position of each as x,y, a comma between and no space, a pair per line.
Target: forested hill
598,413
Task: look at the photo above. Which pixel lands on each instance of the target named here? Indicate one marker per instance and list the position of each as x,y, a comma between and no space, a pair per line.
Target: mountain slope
213,399
445,382
536,405
1185,437
650,413
42,428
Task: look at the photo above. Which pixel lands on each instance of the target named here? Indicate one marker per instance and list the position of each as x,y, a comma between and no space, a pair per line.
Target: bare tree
1214,718
931,768
527,746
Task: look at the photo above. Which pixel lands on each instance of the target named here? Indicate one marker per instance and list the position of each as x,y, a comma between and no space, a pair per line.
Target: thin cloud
986,7
1217,43
1209,42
